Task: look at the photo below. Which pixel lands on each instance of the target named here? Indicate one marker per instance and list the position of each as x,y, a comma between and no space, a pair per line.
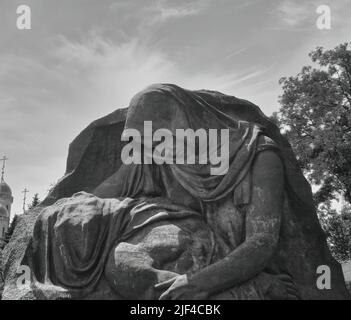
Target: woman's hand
278,287
181,288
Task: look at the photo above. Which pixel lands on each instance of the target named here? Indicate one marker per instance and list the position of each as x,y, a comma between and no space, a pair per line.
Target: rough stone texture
13,254
95,155
346,267
1,275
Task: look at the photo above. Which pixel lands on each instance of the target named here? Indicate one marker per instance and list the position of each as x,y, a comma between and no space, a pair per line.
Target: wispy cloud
294,13
82,80
179,9
234,53
116,71
161,10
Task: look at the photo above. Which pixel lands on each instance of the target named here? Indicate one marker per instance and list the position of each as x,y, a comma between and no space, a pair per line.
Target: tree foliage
338,230
315,115
35,201
11,229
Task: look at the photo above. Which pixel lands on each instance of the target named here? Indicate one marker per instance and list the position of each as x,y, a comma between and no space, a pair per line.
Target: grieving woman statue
176,231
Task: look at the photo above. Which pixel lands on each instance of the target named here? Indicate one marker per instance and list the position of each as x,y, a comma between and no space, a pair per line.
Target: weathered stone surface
13,254
93,156
93,163
346,266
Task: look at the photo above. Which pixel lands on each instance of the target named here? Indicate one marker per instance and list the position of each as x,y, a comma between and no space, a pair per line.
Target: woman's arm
262,233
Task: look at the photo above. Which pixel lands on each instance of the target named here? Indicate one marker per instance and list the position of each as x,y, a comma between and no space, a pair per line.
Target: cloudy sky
84,58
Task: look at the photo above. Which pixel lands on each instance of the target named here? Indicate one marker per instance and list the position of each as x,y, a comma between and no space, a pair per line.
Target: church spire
3,159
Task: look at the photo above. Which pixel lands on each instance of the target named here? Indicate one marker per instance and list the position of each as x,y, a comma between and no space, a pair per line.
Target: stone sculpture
174,231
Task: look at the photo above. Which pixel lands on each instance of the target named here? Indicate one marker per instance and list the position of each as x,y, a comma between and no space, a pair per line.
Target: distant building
6,201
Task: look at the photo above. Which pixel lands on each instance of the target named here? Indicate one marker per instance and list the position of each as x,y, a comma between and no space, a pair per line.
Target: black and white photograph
178,155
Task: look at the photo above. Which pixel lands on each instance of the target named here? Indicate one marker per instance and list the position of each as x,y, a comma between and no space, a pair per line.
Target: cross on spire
25,191
3,159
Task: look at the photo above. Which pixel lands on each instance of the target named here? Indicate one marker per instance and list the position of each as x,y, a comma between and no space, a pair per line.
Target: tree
338,230
2,280
35,201
315,116
52,186
11,229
